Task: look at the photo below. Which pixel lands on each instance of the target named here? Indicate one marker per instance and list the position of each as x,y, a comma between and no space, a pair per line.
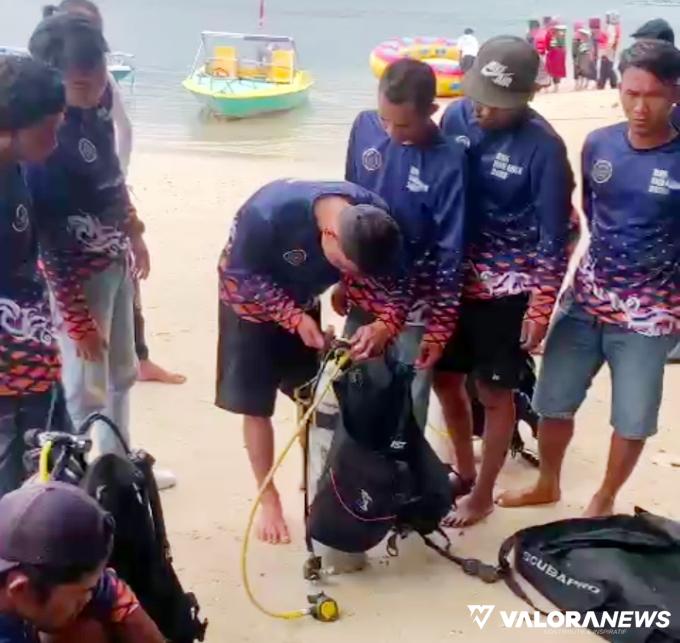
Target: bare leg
623,456
553,439
258,433
151,372
455,403
499,410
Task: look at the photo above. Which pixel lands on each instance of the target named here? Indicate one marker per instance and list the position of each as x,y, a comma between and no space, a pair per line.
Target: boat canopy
248,37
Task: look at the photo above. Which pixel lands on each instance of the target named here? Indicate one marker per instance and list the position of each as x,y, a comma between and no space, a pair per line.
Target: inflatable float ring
441,54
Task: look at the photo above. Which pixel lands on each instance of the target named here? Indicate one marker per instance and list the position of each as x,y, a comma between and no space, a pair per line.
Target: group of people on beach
594,50
478,213
445,246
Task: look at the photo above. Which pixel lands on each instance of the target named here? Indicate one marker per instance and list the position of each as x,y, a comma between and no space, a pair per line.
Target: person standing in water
623,309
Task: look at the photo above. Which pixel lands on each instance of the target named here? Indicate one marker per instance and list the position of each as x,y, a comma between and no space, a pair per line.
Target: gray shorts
576,349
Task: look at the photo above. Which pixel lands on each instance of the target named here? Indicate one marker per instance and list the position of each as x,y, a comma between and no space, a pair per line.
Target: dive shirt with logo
82,209
273,267
520,208
630,274
424,187
29,359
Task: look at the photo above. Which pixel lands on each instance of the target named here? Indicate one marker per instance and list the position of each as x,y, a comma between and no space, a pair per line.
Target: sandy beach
188,202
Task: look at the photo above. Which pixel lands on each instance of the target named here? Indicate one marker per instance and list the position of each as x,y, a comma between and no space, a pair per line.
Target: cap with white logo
504,73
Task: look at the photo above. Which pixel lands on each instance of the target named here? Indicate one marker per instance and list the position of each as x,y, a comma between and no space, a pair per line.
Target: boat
239,75
121,65
13,51
441,54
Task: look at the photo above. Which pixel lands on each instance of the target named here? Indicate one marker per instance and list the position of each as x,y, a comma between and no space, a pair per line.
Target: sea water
334,39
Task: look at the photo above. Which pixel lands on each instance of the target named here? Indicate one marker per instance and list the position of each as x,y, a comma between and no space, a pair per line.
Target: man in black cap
656,29
520,206
54,544
291,241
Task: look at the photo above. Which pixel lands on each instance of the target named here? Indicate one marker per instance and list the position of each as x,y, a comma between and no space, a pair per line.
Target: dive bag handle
99,417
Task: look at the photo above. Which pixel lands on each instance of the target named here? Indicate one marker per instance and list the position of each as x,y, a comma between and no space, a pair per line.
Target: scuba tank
320,434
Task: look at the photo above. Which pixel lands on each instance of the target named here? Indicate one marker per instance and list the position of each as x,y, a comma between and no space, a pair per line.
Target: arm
66,285
552,183
244,282
137,628
441,276
63,277
388,299
122,125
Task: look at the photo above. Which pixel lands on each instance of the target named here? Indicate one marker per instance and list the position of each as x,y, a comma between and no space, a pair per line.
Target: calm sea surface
333,39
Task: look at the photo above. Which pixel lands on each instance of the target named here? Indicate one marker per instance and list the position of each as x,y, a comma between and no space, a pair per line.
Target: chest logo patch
463,140
602,171
87,150
503,167
20,223
371,159
415,183
660,183
295,257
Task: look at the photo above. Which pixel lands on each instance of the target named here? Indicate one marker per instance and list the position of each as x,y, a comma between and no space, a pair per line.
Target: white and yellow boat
231,81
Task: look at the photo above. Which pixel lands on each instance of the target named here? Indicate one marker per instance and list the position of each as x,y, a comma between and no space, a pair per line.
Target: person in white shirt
468,46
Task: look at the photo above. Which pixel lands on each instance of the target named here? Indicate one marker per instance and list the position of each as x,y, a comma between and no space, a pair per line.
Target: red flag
261,21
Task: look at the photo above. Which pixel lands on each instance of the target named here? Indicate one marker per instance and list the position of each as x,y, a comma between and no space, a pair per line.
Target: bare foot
599,506
271,525
539,494
469,511
151,372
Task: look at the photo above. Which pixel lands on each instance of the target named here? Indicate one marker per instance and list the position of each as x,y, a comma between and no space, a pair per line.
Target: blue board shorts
576,349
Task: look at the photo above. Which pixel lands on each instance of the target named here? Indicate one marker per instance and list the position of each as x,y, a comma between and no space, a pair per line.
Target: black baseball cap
53,525
657,29
504,73
371,239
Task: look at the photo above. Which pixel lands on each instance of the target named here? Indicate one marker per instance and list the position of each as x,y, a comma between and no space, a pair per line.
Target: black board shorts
255,360
486,343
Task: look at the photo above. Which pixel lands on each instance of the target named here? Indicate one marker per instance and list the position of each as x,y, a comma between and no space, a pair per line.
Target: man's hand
429,355
91,347
369,340
141,255
310,333
339,300
532,334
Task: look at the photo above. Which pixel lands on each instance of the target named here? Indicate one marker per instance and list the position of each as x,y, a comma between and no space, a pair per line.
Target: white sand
188,203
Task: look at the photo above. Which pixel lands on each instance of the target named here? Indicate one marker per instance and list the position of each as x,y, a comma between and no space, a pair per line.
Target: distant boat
239,75
119,64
